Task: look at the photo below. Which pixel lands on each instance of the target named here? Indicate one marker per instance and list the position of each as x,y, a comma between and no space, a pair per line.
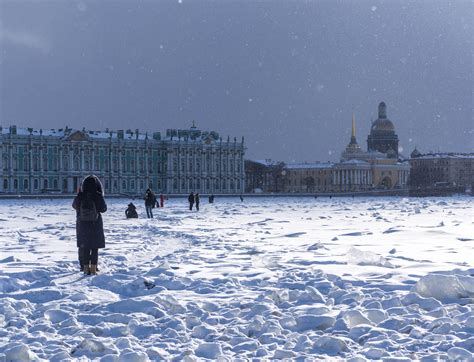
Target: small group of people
194,199
151,201
89,204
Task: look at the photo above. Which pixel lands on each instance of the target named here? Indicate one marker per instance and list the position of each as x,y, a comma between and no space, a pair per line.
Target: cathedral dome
382,136
382,124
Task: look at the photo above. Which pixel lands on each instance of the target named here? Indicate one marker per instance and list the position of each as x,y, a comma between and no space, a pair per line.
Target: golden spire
353,126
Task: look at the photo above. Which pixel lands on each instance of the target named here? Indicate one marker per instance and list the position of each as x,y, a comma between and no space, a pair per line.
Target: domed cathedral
382,135
379,167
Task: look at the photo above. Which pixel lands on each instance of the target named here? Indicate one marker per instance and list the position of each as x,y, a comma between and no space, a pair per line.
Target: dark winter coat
90,234
191,198
131,212
150,198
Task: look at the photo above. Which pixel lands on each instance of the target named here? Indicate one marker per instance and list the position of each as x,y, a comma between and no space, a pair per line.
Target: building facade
308,177
264,176
453,169
378,168
127,162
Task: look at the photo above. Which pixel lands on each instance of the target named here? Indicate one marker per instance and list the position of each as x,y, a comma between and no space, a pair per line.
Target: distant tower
353,134
353,150
382,137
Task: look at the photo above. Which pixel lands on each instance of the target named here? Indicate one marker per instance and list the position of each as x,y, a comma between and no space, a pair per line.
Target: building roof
445,155
178,135
305,165
266,162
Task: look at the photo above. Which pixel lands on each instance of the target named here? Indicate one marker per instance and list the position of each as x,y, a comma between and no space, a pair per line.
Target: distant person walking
150,201
191,200
197,199
211,199
241,198
131,212
162,200
89,204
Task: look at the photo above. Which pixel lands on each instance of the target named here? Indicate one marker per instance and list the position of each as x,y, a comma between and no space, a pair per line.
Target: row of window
131,185
307,182
231,166
53,164
66,150
26,185
207,185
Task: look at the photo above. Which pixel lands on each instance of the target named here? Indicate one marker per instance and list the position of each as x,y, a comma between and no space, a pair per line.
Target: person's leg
80,256
87,260
94,257
151,212
147,211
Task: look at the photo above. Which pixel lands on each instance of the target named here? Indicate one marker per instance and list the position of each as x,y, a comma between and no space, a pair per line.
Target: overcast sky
287,75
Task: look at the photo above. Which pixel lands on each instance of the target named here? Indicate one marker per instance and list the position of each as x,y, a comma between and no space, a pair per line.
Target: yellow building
361,171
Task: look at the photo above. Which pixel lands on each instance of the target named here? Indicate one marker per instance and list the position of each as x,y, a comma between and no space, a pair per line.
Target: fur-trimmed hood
92,184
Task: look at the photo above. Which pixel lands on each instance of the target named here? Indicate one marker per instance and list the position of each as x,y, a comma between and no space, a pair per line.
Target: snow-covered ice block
18,352
57,315
313,322
354,318
330,345
445,287
209,350
133,356
360,257
459,354
424,303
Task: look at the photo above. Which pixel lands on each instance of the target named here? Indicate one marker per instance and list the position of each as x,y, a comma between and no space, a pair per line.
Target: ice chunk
209,350
424,303
459,354
315,295
354,318
130,356
360,257
330,345
56,315
445,288
307,322
95,346
19,352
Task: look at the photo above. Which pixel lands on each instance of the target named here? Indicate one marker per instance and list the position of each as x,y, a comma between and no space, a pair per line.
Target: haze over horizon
285,75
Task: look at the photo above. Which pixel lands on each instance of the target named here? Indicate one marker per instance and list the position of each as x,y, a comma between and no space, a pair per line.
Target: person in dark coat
131,212
191,200
89,225
197,199
150,201
211,199
162,200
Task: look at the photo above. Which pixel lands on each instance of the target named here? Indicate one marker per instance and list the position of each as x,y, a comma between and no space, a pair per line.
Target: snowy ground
272,278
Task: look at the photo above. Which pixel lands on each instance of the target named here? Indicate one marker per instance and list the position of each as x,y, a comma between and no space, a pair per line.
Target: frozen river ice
268,278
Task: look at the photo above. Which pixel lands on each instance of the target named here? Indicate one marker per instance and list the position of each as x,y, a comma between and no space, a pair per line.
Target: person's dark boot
93,269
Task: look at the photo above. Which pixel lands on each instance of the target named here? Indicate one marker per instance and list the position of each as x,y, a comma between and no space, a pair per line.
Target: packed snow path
272,278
